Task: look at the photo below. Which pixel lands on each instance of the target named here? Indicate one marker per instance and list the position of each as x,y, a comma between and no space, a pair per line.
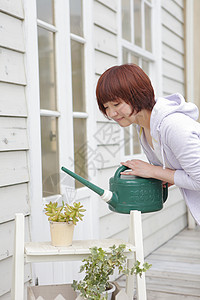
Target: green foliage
65,213
98,267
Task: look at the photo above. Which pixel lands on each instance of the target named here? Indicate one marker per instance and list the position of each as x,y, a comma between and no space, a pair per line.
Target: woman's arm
146,170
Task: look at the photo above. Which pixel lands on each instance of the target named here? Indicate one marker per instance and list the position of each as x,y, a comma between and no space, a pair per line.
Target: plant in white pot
98,267
62,221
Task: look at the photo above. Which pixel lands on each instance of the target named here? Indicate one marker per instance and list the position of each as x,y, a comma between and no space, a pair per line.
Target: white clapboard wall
14,175
157,227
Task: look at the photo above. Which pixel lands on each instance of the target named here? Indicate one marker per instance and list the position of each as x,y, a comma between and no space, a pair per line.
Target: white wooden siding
174,41
105,41
11,34
109,19
14,174
170,86
121,222
170,22
14,169
172,56
111,4
13,134
6,252
6,275
17,199
103,61
12,66
173,47
13,8
174,8
7,235
13,102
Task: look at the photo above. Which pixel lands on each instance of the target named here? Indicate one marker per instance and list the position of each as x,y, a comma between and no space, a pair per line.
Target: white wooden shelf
45,252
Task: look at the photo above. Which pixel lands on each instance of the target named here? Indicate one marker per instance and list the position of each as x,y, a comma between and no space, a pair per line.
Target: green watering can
129,192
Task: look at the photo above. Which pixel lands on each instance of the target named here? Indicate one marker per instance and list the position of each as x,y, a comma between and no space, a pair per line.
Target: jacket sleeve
182,136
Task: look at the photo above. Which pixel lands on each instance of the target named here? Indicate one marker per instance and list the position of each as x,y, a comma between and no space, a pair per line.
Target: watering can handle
165,192
119,170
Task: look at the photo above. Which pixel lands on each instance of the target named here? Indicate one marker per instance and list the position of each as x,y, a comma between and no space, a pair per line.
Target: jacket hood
165,106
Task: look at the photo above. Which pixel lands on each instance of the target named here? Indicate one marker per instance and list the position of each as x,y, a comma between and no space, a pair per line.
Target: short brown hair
127,82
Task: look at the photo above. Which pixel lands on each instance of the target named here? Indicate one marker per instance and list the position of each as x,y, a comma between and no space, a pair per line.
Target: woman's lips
119,119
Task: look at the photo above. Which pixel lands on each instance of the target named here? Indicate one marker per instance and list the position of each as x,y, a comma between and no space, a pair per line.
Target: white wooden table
45,252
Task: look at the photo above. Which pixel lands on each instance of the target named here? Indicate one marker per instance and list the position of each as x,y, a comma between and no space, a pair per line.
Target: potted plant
62,221
98,267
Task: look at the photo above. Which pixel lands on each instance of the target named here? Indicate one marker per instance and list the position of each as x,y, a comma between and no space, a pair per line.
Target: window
137,48
51,133
137,23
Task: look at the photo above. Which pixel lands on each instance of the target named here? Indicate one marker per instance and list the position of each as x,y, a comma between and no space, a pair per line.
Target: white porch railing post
136,239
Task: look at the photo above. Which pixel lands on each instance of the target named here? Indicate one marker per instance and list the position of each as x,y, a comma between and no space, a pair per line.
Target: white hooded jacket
173,125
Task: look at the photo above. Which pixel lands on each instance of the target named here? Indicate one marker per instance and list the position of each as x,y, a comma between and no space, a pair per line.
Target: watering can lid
128,176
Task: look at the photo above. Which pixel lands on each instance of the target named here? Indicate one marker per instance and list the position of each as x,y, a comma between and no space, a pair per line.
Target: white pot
109,292
61,233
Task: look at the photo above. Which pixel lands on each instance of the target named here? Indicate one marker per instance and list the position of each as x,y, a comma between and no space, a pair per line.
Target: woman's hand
143,169
138,168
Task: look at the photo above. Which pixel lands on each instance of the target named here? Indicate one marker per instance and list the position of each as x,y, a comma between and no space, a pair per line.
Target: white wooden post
189,10
18,259
191,221
136,239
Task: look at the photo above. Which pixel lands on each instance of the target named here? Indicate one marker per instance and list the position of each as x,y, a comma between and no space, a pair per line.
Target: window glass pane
126,20
76,17
47,69
136,142
77,52
137,23
127,141
80,149
145,66
148,45
134,59
45,10
125,56
50,171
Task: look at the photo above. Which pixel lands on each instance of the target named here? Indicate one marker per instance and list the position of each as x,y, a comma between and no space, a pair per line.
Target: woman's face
120,112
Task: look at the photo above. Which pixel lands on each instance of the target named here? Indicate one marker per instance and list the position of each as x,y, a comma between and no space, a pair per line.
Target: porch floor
175,271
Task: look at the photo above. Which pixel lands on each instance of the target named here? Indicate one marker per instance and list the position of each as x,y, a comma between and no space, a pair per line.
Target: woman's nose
112,113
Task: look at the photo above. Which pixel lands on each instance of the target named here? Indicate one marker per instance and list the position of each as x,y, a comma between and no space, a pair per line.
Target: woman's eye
116,104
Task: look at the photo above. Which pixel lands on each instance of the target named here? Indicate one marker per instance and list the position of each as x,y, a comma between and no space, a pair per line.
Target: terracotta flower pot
61,233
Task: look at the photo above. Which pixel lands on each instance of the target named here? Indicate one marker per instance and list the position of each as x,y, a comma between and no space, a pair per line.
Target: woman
167,129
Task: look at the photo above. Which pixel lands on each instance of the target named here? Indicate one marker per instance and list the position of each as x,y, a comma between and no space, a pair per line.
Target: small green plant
98,267
65,213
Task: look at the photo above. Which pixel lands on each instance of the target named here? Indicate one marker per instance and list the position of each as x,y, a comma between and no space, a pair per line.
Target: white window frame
155,58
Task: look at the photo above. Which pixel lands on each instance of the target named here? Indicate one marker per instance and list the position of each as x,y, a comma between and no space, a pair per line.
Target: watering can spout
106,195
